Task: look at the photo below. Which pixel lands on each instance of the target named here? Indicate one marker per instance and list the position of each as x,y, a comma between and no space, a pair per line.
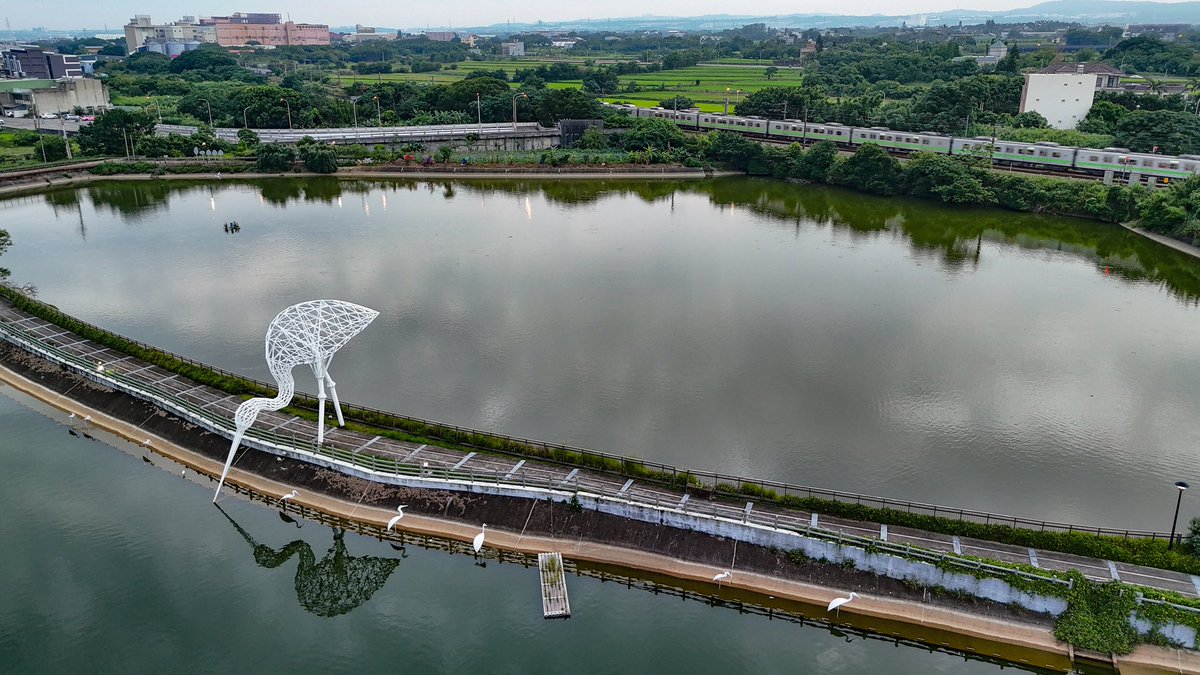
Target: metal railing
620,465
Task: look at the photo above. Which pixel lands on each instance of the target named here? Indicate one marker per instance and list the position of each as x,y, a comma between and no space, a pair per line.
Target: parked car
88,118
71,117
48,116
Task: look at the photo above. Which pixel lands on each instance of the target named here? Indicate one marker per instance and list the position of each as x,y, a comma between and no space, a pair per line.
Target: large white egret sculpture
306,333
477,543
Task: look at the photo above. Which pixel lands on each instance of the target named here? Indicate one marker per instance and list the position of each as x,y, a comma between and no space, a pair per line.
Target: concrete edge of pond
1181,246
973,627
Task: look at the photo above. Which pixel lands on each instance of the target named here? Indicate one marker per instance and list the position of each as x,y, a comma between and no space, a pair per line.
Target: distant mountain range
1093,12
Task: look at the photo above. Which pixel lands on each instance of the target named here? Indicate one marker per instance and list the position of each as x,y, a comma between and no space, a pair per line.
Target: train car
1044,154
741,125
1161,168
905,142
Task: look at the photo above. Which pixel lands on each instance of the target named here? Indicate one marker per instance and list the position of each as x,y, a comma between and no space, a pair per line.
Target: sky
72,14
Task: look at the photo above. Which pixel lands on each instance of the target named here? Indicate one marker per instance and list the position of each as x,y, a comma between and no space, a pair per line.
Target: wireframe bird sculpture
291,495
836,603
396,519
722,576
307,333
478,542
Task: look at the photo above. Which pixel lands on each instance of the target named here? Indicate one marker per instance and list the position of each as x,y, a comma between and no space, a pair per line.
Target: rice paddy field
708,84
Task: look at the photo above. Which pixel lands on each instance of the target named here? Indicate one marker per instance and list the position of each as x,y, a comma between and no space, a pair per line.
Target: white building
141,29
1062,98
512,49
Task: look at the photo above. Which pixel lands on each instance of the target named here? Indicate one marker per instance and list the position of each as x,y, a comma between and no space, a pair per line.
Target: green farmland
706,84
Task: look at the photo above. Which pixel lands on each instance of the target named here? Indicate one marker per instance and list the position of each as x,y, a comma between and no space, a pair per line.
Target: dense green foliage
115,132
274,157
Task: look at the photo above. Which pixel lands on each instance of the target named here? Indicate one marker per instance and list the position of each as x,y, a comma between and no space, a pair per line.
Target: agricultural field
707,84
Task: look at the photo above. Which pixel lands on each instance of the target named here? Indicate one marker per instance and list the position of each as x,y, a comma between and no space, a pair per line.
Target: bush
319,159
273,158
870,169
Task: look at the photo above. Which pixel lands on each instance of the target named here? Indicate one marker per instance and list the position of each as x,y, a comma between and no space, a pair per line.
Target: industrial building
142,34
34,63
20,98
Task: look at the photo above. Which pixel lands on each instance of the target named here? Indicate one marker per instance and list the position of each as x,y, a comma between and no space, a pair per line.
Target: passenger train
1110,163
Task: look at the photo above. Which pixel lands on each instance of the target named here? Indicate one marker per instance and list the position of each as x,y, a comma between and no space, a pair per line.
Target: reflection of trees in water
333,585
134,201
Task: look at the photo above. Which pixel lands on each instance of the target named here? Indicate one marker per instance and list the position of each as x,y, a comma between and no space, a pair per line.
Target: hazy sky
68,14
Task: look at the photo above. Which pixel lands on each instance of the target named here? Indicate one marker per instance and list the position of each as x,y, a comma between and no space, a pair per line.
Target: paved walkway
479,466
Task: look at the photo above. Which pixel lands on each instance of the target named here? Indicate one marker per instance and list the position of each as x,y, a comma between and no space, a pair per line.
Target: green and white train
1110,163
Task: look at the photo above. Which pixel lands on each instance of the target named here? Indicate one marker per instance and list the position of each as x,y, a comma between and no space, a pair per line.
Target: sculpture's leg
336,406
320,410
237,440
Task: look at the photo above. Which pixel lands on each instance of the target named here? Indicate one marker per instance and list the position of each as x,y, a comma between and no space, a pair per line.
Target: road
47,125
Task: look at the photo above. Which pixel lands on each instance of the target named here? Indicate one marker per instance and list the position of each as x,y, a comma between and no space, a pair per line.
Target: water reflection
331,586
955,242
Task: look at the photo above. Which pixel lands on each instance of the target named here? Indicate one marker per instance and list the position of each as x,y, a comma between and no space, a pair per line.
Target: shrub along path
413,457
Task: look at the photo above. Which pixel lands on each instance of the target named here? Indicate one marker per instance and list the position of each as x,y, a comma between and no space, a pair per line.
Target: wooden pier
554,586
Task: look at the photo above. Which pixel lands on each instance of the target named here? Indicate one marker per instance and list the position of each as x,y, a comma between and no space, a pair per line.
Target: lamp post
1181,486
378,112
245,121
479,111
209,110
284,101
520,95
354,109
157,107
66,143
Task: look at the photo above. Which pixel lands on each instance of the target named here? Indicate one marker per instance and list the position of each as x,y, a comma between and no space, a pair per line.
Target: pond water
1044,367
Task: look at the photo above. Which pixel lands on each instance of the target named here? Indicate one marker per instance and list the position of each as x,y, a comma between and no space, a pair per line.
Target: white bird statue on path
478,543
291,495
722,576
307,333
396,519
836,603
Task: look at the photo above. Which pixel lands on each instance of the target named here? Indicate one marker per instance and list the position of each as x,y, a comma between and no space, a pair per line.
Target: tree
1169,132
1030,120
676,103
114,131
274,157
735,151
870,169
816,163
319,159
770,72
558,104
653,132
946,178
601,82
1102,118
204,58
247,138
52,146
5,242
592,139
461,96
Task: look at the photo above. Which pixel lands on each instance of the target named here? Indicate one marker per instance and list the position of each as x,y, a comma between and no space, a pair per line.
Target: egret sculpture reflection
306,333
333,585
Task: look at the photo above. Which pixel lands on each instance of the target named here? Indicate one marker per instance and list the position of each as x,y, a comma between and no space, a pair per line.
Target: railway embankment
690,526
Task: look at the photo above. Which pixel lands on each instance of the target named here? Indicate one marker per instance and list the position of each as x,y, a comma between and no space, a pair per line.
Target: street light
284,101
378,112
245,122
479,111
1181,486
520,95
209,110
157,107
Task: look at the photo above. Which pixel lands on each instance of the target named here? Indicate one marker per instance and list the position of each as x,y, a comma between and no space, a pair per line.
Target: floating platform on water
554,586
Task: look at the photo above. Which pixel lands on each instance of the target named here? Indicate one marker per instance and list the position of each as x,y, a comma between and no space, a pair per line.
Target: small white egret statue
836,603
722,576
146,443
87,418
396,519
478,543
71,416
305,333
291,495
